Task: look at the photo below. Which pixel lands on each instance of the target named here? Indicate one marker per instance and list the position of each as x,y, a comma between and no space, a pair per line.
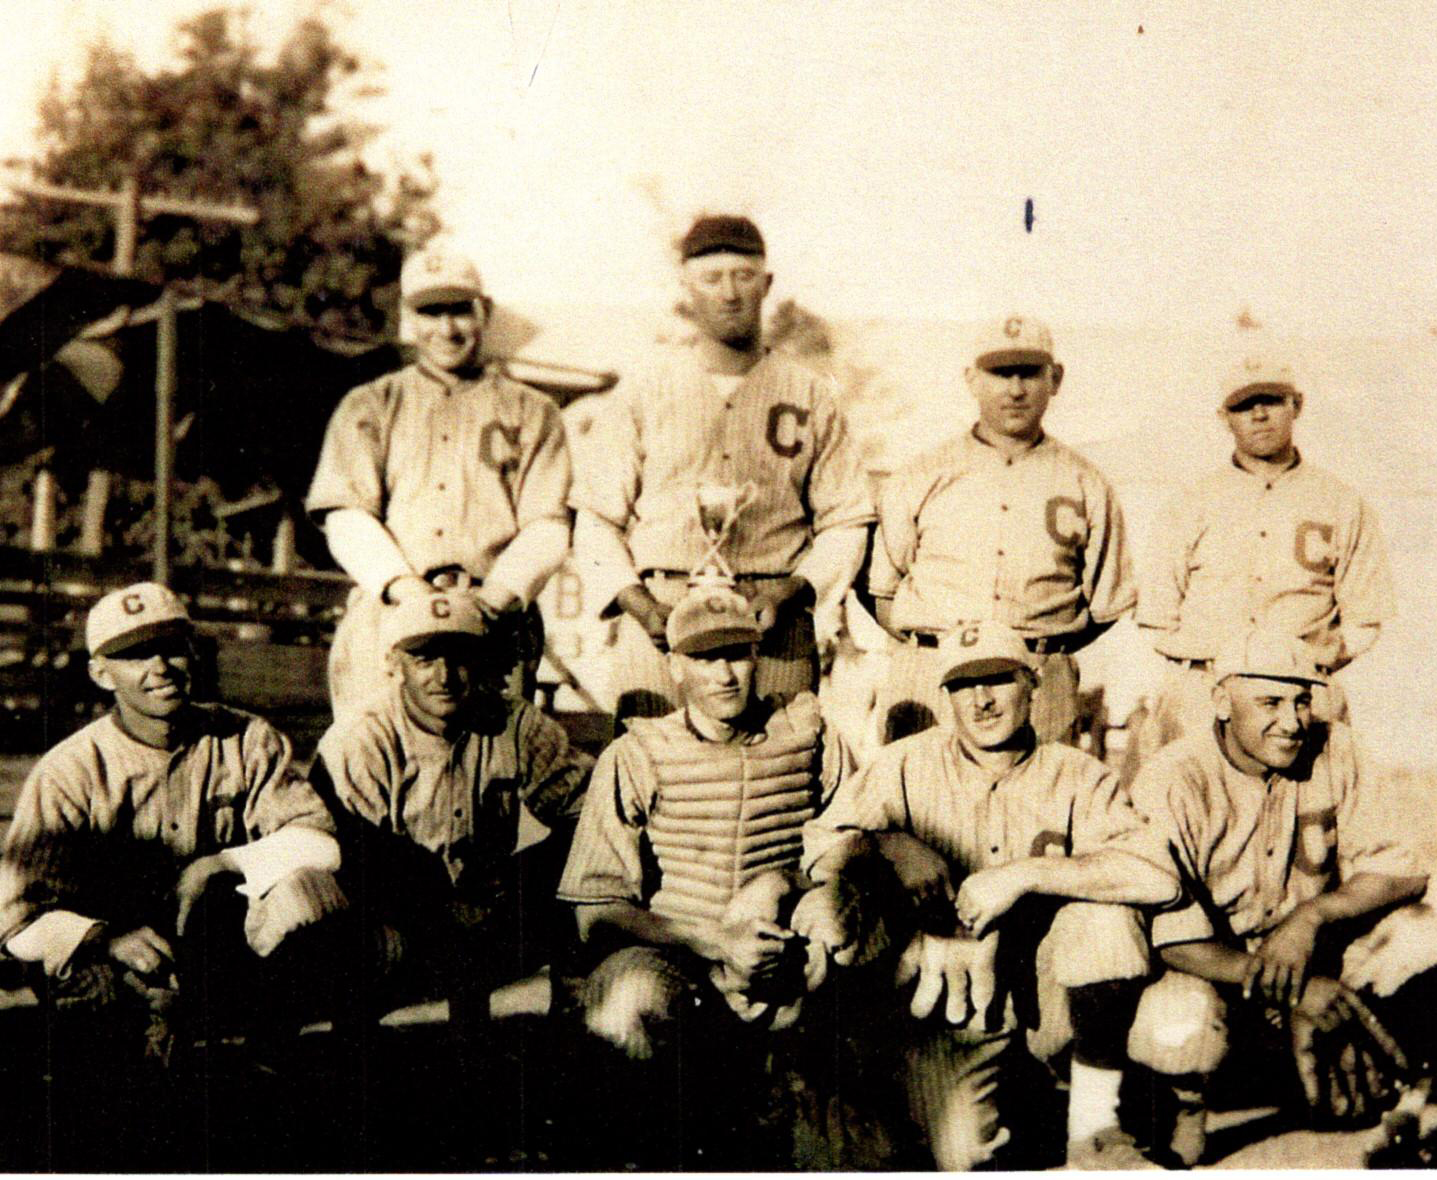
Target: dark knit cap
721,234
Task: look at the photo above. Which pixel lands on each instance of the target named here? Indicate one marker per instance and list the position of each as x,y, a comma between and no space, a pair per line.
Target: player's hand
960,966
1284,956
494,600
404,588
985,896
1399,948
828,917
751,947
143,951
192,884
775,594
647,611
921,871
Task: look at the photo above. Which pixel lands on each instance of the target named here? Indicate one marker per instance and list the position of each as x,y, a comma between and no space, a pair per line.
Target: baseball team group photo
739,671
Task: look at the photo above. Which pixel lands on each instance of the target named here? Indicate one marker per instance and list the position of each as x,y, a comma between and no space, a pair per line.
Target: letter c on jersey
785,442
132,604
1054,522
1321,561
499,447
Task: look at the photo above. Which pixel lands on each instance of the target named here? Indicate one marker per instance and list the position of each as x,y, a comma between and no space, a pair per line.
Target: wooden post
127,226
282,562
92,520
42,522
165,362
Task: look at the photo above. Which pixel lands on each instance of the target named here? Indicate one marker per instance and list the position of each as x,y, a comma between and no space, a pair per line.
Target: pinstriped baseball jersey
1057,801
1035,541
1299,552
104,822
611,858
673,429
453,468
458,798
1252,849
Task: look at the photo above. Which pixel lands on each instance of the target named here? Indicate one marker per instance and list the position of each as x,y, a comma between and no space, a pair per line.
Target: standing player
726,415
126,831
445,474
1275,824
427,784
1002,523
1269,541
1047,855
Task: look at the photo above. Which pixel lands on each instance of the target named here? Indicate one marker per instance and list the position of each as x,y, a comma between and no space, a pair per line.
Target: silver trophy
718,506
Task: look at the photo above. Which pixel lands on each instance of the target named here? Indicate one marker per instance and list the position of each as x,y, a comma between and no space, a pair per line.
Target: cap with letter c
711,617
409,623
438,274
124,618
1267,655
1013,340
1256,374
974,650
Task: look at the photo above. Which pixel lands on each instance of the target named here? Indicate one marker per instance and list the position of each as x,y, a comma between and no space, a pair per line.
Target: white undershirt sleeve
531,558
832,561
51,939
365,549
603,554
266,860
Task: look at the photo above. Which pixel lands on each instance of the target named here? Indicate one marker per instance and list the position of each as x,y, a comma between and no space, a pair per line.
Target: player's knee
1093,942
629,991
1180,1026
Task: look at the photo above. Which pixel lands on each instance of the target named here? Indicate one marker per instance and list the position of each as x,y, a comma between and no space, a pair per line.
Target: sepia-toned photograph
737,586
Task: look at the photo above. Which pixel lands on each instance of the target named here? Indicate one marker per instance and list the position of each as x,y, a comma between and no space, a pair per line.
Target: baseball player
1003,523
427,785
728,419
1038,854
125,834
1269,541
445,474
1275,825
683,871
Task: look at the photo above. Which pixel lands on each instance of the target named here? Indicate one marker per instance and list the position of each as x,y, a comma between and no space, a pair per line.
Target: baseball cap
1254,374
438,274
721,234
1013,340
407,624
1271,655
981,649
711,617
124,618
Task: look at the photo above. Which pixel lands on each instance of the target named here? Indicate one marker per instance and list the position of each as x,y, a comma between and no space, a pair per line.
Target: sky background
1186,161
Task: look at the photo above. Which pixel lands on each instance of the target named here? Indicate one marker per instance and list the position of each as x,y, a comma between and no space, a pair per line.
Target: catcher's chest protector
726,813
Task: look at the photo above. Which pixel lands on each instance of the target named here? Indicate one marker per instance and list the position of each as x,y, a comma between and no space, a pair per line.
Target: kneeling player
1048,855
1273,823
428,784
123,835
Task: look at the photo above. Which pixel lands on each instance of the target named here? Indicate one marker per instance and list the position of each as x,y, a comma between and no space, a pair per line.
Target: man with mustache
727,411
1018,861
443,475
428,784
1269,541
165,861
1274,823
1004,523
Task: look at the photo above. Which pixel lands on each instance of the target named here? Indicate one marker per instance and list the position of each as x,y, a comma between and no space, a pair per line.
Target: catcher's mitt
1350,1066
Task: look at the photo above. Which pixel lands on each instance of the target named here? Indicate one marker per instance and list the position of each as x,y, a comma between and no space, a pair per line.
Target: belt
1196,665
453,577
676,576
1042,646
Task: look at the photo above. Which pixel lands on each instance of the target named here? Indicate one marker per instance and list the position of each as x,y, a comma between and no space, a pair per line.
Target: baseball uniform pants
639,672
357,670
1183,705
910,700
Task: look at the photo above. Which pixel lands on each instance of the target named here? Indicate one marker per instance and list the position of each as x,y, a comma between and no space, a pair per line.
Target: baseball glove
1350,1066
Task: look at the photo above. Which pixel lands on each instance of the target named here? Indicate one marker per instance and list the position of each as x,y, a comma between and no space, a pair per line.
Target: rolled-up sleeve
605,862
350,472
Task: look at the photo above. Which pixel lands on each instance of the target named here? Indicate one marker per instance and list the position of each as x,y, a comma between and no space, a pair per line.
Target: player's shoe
1110,1150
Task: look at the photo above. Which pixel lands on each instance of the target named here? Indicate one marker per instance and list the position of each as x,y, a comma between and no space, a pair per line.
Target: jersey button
1002,508
459,813
443,438
1269,852
1263,534
438,532
1000,553
993,849
174,827
441,487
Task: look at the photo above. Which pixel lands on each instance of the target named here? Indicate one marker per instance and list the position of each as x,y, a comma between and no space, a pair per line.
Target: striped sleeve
605,862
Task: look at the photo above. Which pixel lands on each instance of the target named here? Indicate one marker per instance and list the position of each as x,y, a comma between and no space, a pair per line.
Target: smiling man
1004,523
1019,861
722,412
126,834
1269,541
428,784
1275,824
444,475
